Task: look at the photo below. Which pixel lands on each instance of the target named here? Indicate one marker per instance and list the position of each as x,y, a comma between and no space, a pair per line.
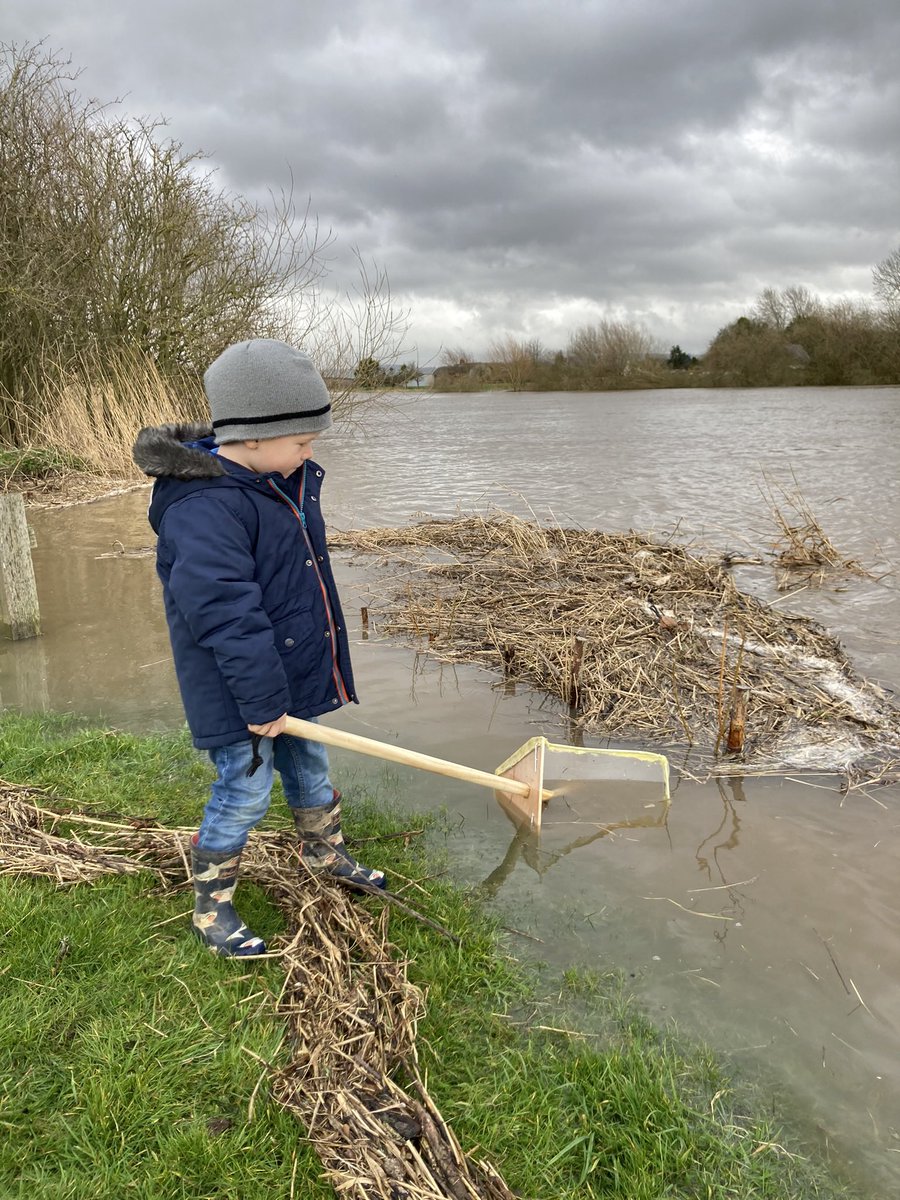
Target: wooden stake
735,741
575,670
364,613
721,693
19,613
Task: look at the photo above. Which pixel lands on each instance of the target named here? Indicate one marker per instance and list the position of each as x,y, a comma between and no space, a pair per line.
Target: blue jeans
238,801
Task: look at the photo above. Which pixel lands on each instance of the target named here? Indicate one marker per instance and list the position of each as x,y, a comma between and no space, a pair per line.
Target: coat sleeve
212,584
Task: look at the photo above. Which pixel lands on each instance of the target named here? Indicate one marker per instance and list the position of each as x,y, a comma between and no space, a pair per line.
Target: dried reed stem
353,1078
506,594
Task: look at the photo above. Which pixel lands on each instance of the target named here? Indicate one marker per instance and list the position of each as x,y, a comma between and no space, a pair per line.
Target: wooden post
364,613
735,740
575,670
19,615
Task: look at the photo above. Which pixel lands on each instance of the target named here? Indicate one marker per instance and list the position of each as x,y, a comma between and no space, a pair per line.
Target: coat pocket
295,632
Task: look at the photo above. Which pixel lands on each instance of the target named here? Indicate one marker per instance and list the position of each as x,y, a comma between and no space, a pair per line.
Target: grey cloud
664,156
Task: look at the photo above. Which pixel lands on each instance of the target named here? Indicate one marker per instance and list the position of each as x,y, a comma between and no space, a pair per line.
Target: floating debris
801,546
122,551
651,640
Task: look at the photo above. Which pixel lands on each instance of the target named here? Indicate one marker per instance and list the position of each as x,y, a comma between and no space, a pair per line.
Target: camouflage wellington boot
215,922
322,847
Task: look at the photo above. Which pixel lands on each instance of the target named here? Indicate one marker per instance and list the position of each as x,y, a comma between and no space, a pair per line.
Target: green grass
127,1052
123,1046
37,462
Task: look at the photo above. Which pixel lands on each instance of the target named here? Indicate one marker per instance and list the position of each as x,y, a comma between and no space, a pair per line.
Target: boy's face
283,454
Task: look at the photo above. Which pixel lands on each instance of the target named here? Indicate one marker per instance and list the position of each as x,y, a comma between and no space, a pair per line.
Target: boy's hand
272,729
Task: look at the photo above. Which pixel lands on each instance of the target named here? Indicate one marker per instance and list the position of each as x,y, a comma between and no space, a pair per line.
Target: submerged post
19,614
575,664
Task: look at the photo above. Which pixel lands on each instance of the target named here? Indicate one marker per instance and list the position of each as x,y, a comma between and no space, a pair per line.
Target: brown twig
351,1013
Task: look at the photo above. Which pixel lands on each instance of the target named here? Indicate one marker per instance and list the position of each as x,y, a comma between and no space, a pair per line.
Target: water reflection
730,822
557,837
29,676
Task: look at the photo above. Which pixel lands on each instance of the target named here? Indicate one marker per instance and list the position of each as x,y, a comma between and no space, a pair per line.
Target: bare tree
610,350
886,281
801,303
515,360
455,356
770,308
535,350
362,326
780,309
113,238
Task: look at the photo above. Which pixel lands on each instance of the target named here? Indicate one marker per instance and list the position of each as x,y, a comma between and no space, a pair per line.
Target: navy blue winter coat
253,612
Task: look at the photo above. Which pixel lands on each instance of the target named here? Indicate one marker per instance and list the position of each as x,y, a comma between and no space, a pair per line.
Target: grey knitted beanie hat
265,389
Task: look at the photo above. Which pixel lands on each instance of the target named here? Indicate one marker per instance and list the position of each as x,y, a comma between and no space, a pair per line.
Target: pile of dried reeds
73,487
644,639
801,545
353,1079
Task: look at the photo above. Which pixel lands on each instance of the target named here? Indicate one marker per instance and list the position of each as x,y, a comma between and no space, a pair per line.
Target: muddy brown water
761,914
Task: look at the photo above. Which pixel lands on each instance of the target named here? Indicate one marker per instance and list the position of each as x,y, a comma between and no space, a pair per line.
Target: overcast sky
528,168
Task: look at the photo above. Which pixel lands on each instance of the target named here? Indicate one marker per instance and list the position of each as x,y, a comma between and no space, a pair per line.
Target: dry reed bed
353,1079
802,548
63,489
645,639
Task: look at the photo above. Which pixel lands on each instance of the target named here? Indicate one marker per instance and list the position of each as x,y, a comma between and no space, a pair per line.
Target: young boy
253,612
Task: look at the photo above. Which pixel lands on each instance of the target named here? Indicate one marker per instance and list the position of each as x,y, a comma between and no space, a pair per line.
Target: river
762,914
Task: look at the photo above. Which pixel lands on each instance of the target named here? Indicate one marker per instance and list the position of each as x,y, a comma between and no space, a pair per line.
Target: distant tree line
788,337
609,354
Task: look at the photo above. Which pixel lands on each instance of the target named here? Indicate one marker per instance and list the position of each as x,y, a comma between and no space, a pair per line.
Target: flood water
761,914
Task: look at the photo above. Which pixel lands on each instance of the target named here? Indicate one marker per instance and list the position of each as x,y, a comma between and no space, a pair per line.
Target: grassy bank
130,1058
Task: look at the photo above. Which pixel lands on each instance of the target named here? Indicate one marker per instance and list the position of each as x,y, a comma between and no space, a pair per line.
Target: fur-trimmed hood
171,450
